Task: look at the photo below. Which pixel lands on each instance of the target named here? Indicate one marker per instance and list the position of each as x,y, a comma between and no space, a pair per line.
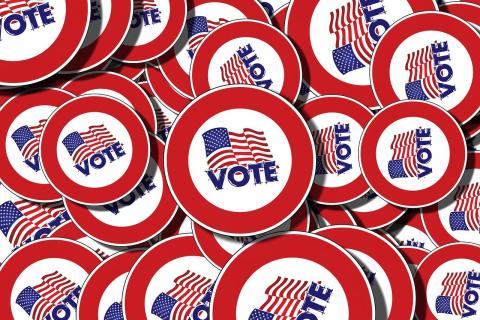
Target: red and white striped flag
234,71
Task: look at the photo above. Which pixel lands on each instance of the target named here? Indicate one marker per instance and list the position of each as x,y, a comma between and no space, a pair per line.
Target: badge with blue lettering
413,153
293,275
247,52
23,118
337,40
456,218
203,16
88,153
23,221
336,124
101,296
330,215
171,280
38,38
108,27
138,216
155,27
386,270
43,280
431,57
272,6
218,249
239,160
448,283
116,86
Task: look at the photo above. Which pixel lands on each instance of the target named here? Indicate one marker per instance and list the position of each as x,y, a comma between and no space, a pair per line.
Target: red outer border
200,209
362,115
413,255
8,113
416,23
74,108
200,67
279,18
132,71
333,215
419,198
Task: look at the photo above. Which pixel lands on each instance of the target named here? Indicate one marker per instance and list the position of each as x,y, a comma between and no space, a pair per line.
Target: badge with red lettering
38,38
155,26
247,52
218,249
260,277
372,212
203,16
431,57
331,215
16,216
23,118
108,27
413,256
336,124
138,216
43,280
386,270
409,231
101,296
337,40
413,153
239,171
448,283
455,218
116,86
171,280
87,149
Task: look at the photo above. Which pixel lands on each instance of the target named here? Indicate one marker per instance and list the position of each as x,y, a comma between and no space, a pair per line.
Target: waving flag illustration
422,83
225,148
404,159
198,28
234,71
466,212
114,312
450,301
353,46
179,302
285,297
27,139
39,300
20,219
82,145
143,5
163,124
14,6
325,146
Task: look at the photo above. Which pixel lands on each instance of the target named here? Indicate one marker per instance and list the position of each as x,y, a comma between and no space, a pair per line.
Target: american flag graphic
20,219
82,145
179,302
114,312
422,83
404,158
285,297
198,28
14,6
27,139
38,301
353,46
325,146
450,301
163,124
143,5
465,215
225,148
234,71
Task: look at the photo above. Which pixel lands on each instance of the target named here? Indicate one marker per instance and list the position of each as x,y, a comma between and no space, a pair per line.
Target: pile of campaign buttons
239,160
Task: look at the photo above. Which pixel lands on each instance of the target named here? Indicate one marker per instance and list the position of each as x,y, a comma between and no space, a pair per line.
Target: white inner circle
112,294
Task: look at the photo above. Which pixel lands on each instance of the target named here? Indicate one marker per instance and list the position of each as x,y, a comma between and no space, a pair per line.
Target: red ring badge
336,124
218,249
409,231
403,153
138,216
386,270
442,45
447,283
337,40
153,285
279,18
331,215
203,16
23,118
254,281
247,52
87,149
414,256
130,70
259,157
31,274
